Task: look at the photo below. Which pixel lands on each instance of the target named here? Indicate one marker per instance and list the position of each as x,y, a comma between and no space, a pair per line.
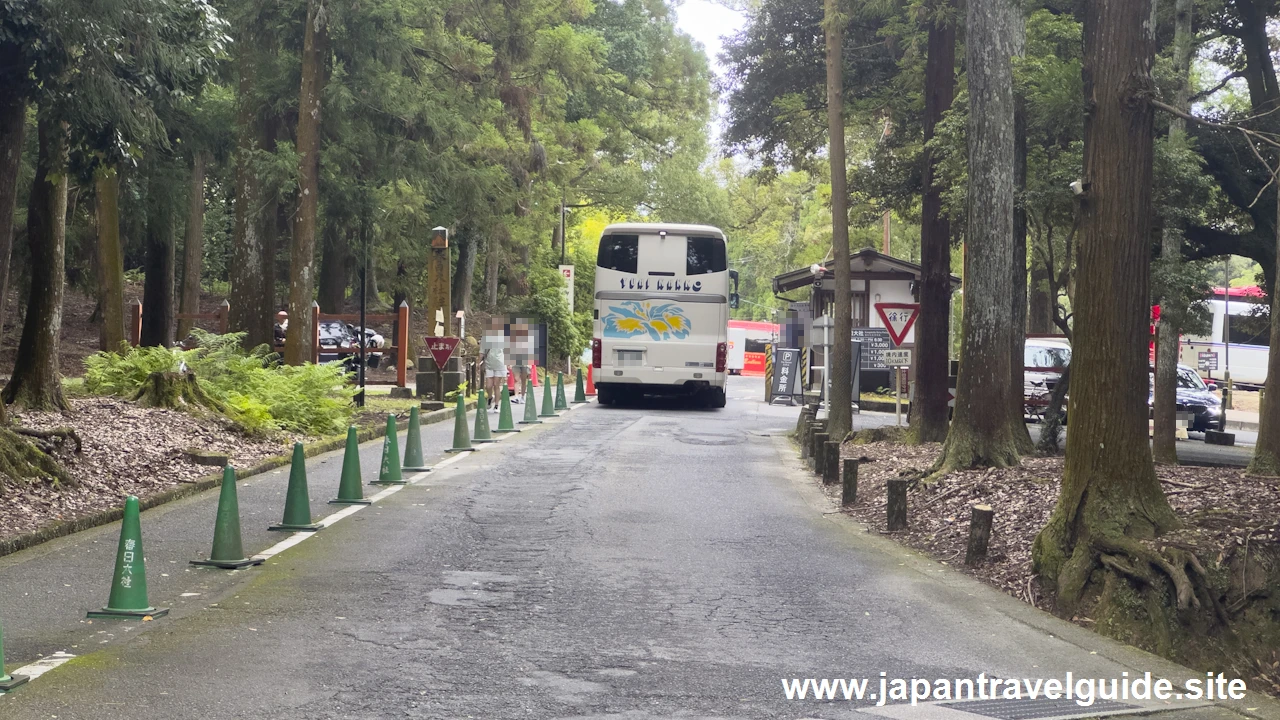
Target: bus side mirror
733,275
733,301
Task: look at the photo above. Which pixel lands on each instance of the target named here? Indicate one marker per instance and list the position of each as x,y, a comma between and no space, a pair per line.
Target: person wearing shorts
521,351
493,359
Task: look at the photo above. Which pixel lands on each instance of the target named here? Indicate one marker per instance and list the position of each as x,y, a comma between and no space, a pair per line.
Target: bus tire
716,398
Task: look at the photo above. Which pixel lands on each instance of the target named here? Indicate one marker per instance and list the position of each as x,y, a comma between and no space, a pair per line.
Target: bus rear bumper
672,381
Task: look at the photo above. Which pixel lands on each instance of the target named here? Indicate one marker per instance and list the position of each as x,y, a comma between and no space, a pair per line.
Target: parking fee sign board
898,319
441,349
786,372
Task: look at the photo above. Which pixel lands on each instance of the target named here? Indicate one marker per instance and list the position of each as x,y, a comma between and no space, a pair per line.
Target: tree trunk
252,256
36,383
302,251
493,266
13,121
1040,314
1164,435
840,364
157,288
985,429
465,270
929,411
110,259
335,258
1266,452
193,245
1110,498
1018,346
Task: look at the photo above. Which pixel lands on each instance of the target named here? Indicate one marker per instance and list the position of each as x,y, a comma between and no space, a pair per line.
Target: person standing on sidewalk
521,355
493,361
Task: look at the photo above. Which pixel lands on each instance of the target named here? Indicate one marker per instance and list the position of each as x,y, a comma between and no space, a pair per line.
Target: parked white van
662,301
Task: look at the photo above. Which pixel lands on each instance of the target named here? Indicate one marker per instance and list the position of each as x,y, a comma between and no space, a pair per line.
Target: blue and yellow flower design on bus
659,322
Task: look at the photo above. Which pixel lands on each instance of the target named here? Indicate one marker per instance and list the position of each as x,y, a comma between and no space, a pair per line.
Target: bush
261,394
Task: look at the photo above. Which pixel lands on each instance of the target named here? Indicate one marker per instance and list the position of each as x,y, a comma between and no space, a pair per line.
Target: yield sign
442,349
898,318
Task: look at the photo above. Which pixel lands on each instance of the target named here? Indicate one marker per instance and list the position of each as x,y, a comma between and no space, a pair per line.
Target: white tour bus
662,305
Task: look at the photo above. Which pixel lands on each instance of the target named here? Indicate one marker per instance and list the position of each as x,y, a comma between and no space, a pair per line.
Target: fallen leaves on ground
128,450
1220,507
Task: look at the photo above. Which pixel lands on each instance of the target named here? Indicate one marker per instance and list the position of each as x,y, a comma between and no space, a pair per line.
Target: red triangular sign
442,349
898,319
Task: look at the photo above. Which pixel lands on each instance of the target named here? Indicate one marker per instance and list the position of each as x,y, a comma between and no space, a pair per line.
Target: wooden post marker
831,463
979,534
849,492
819,453
897,504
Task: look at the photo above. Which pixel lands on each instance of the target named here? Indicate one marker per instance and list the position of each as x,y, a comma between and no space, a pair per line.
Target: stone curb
199,485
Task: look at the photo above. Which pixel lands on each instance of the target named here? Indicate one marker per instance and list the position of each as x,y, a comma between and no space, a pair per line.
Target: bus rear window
619,252
705,255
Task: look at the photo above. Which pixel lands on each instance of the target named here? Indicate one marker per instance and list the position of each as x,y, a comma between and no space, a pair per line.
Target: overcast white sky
708,22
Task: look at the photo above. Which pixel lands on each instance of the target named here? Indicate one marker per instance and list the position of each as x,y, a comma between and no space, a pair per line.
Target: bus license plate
630,358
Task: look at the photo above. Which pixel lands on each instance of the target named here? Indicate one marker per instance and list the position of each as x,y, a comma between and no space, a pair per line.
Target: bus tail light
722,356
596,352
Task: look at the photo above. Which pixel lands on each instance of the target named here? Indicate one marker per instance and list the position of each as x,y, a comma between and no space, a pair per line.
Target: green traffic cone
227,551
8,682
506,423
530,405
297,501
413,461
548,404
561,402
128,597
390,472
579,390
461,436
482,434
351,485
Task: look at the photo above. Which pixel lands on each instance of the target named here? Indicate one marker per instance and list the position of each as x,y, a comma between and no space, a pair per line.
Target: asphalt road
621,563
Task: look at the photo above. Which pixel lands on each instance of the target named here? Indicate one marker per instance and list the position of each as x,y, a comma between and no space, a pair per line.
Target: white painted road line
41,666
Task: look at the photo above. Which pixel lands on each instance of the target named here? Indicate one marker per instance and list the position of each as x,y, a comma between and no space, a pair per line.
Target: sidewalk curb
1238,425
199,485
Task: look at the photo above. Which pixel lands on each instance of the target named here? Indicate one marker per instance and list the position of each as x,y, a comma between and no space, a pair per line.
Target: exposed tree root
22,461
879,434
60,434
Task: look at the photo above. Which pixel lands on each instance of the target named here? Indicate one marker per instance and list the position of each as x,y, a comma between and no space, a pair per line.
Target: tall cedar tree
933,344
193,245
253,247
840,362
110,256
302,251
1164,447
983,433
36,382
1111,499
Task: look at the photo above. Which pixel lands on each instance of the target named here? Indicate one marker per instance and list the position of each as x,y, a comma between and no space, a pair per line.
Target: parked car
337,335
1043,362
1197,405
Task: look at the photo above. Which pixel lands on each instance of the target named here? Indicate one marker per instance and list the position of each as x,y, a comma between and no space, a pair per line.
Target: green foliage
453,395
263,395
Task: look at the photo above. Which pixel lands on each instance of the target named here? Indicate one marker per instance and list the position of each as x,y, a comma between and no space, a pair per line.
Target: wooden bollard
979,534
819,452
817,426
806,441
831,463
849,492
805,418
897,504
